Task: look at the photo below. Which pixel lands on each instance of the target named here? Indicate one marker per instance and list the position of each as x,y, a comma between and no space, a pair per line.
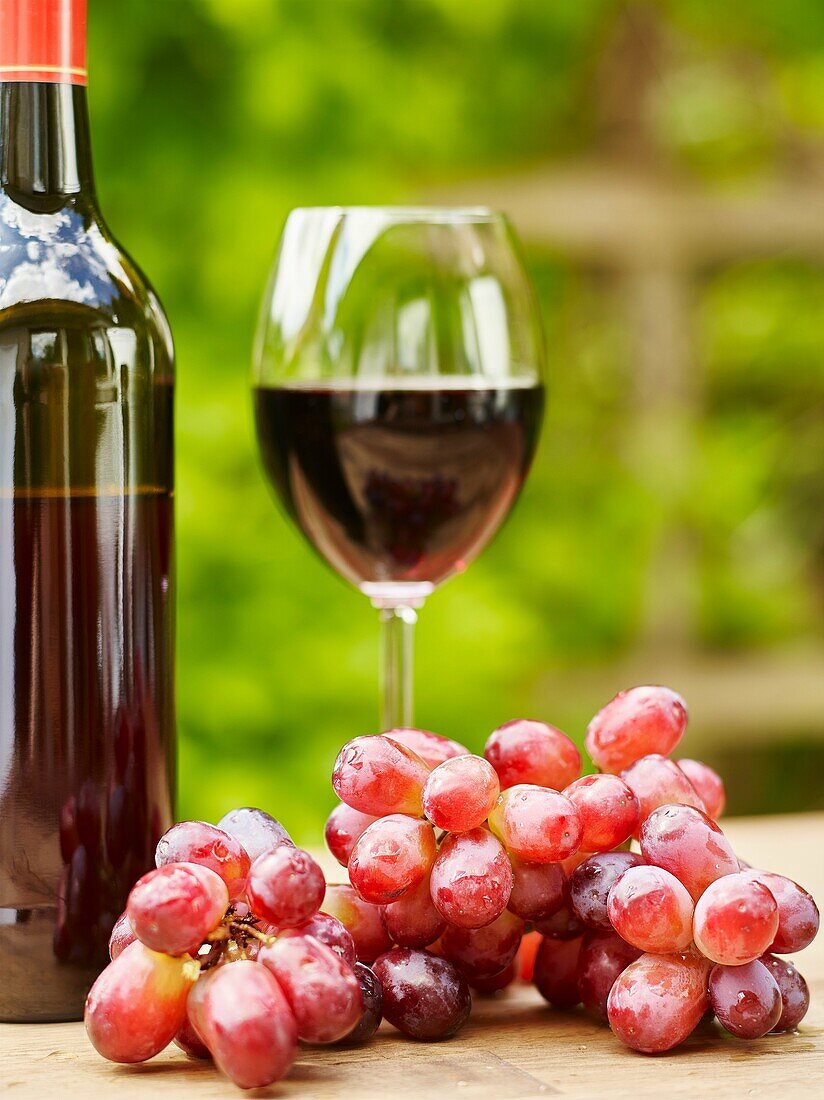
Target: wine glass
398,399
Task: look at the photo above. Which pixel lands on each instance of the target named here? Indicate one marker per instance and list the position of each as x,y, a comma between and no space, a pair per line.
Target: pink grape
322,990
527,751
536,824
361,919
608,809
471,879
430,747
392,855
122,935
656,781
413,920
686,842
635,723
538,889
604,955
243,1017
495,982
708,784
197,842
372,1013
798,916
746,999
256,830
331,932
379,776
138,1004
482,952
424,996
460,793
190,1042
591,882
556,971
736,919
343,827
649,908
658,1001
795,994
285,887
174,908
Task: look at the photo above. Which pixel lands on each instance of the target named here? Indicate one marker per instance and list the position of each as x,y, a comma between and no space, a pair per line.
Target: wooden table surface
515,1046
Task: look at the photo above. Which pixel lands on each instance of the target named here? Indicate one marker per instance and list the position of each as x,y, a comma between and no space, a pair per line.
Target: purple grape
424,996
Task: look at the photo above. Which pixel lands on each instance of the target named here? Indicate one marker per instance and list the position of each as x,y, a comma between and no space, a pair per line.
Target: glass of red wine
398,399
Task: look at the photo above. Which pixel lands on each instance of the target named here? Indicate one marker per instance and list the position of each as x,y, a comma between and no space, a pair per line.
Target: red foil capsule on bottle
43,40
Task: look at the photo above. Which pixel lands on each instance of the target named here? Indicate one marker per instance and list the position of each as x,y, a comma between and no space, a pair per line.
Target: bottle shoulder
69,257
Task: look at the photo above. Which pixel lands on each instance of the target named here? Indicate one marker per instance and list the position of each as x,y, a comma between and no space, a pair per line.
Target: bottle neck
45,148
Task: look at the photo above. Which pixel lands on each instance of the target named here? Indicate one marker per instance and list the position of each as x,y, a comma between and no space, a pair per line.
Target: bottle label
43,40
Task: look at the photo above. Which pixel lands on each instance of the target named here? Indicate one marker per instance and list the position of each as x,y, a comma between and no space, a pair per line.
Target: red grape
658,1001
495,982
430,747
525,960
243,1017
536,824
604,955
330,931
657,781
460,793
556,971
197,842
424,996
361,919
413,920
285,887
798,917
343,827
190,1042
256,830
608,809
122,935
138,1004
392,855
746,999
372,1013
174,908
686,842
635,723
527,751
538,889
377,775
708,784
482,952
321,988
649,908
736,919
795,995
562,925
471,879
591,882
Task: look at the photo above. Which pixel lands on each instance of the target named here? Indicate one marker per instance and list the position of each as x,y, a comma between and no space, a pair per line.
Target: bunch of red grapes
454,859
617,891
223,950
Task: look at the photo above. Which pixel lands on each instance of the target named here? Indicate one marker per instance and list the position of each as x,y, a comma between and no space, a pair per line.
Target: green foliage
213,117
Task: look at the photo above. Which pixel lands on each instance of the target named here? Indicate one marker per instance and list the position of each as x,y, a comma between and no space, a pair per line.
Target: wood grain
514,1048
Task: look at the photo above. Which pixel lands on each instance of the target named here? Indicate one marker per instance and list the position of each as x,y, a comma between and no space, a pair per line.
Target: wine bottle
86,535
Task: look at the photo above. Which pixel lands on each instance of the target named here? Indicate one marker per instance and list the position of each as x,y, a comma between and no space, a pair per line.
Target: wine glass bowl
398,390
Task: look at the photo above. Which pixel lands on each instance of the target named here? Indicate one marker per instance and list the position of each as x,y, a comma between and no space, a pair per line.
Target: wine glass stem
397,642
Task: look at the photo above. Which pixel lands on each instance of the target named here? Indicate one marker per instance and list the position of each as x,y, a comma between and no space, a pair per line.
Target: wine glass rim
412,213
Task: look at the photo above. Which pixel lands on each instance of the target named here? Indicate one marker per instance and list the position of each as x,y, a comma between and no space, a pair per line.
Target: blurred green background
663,163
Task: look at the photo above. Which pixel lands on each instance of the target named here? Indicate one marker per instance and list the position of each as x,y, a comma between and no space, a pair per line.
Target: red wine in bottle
86,536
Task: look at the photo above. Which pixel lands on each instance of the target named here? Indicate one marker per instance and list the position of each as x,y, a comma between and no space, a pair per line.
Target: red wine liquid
398,485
